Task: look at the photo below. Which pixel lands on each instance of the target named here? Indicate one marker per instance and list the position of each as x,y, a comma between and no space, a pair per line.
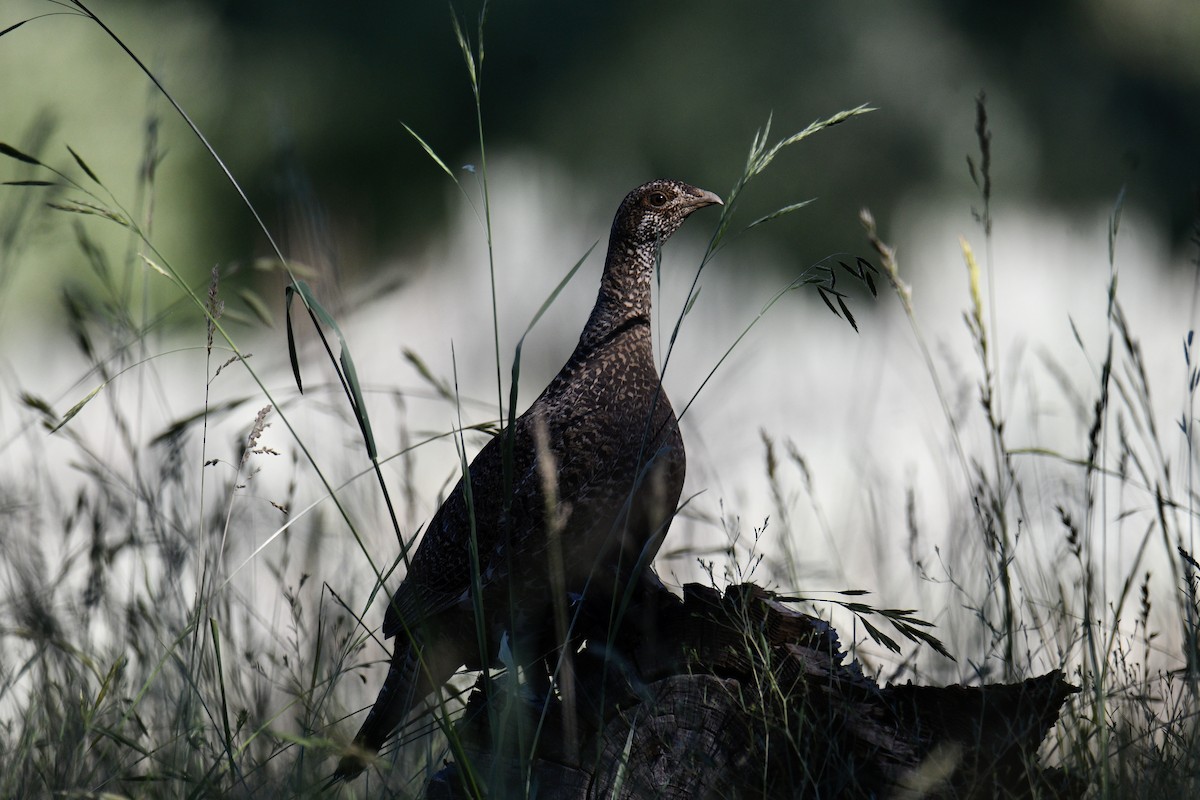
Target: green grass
151,645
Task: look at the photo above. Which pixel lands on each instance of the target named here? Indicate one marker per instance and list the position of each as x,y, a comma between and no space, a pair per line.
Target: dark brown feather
619,468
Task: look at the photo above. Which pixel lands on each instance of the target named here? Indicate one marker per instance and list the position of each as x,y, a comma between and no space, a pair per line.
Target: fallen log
739,695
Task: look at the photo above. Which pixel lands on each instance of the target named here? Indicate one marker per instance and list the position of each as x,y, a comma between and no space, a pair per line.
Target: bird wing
593,466
439,576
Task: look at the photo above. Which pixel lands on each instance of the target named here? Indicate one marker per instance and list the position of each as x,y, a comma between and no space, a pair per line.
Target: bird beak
706,198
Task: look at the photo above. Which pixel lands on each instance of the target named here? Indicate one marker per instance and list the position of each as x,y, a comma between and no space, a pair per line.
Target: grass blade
776,214
346,360
87,170
516,367
216,640
75,409
12,28
288,294
256,304
12,152
430,152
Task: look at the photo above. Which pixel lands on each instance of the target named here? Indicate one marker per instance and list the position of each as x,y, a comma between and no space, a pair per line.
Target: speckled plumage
619,468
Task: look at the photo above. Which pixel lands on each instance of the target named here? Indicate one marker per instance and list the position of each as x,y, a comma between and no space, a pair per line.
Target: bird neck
624,296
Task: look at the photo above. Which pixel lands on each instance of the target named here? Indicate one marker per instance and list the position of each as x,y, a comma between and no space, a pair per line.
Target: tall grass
151,646
1043,603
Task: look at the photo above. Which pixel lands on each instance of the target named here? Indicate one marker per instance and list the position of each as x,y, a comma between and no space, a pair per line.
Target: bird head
653,211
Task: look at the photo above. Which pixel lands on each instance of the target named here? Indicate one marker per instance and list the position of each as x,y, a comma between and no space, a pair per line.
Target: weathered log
738,695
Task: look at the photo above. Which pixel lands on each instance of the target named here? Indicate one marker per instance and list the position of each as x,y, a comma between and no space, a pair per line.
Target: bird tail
400,692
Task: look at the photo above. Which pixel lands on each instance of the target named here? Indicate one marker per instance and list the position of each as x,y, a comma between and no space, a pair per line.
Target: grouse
618,468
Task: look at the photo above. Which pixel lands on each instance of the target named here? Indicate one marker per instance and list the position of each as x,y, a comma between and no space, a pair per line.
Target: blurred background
307,101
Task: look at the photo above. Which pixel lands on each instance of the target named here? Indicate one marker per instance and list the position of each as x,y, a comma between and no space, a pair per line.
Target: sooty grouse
618,470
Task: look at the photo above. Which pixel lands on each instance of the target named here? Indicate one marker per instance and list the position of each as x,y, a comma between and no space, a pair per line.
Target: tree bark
738,695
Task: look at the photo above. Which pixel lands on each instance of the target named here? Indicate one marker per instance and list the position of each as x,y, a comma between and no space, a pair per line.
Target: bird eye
657,199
